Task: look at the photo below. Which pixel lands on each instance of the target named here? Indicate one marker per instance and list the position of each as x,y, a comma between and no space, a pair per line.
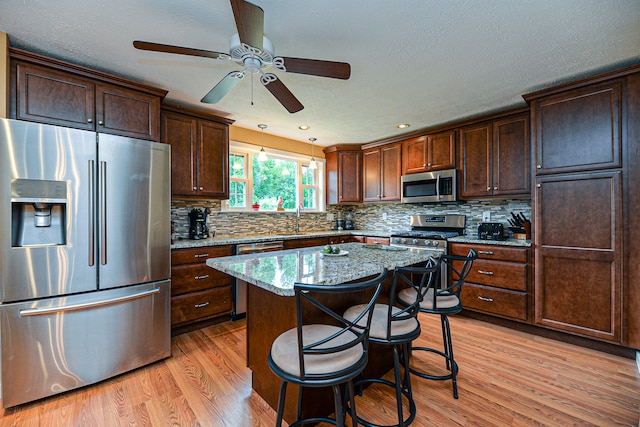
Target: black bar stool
324,355
443,301
398,327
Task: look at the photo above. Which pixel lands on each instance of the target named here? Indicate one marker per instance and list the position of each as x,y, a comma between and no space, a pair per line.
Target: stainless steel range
430,232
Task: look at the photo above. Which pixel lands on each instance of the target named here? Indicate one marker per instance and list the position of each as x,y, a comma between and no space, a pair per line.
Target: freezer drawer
59,344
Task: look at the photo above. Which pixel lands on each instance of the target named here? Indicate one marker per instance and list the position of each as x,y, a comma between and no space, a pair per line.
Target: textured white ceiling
423,62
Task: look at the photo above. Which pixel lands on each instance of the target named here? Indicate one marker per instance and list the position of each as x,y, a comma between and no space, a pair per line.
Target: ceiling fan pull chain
251,89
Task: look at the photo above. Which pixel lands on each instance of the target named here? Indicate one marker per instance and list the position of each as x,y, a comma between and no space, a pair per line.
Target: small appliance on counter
490,231
198,224
348,223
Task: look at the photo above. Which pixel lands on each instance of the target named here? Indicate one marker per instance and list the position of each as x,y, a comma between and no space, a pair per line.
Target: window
285,175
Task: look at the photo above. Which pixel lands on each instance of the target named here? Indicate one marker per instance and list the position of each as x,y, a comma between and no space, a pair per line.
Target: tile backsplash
385,217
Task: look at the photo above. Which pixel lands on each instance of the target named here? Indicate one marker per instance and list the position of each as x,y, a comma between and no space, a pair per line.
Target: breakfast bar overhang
271,306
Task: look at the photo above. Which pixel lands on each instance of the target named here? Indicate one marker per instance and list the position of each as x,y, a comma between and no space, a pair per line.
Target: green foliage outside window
274,178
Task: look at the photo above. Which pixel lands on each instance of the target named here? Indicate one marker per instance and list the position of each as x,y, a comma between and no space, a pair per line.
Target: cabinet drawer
490,300
200,305
379,240
196,255
508,275
503,253
196,277
305,243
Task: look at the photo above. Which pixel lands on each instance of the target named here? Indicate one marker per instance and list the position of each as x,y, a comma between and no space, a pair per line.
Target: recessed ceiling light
403,125
304,127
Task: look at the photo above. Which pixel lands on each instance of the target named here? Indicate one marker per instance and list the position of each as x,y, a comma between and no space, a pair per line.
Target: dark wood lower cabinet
198,292
578,257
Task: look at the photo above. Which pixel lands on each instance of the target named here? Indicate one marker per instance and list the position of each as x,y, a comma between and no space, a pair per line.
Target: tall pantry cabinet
583,144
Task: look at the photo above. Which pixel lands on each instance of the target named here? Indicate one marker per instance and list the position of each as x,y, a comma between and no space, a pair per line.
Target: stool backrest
311,305
420,279
458,268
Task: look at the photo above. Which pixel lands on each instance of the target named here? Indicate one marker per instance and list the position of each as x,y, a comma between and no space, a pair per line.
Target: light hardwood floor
507,378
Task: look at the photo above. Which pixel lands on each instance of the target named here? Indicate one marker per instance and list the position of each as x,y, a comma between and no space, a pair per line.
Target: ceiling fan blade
315,67
249,22
223,87
158,47
284,96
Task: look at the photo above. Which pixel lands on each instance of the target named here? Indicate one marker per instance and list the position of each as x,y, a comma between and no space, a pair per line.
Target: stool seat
443,300
379,323
285,350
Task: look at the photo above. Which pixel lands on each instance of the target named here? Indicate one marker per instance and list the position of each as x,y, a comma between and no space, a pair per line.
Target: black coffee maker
198,224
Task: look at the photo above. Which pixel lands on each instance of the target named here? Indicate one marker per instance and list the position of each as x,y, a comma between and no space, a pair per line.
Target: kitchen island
271,306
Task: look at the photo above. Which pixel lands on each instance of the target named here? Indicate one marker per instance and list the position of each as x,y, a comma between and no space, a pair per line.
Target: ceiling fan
255,53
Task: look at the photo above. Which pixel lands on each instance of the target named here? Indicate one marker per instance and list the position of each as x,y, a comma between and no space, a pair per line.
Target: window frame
249,150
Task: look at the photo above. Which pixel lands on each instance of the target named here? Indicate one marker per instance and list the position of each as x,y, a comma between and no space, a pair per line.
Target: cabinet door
415,155
213,160
579,130
349,177
47,96
578,255
476,161
180,132
371,175
390,165
511,165
441,151
127,112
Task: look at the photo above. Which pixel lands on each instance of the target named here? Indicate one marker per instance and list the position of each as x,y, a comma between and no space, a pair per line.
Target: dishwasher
240,287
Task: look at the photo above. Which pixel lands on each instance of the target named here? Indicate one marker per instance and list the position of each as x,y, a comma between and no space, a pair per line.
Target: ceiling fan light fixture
304,127
312,163
262,156
403,125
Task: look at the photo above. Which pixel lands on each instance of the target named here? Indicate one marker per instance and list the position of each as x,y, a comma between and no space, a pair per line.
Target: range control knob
415,241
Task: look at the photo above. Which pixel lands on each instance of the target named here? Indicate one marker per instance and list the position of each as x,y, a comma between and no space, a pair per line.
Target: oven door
429,187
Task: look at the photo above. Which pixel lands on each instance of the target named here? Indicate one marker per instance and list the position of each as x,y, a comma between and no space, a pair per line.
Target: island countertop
278,271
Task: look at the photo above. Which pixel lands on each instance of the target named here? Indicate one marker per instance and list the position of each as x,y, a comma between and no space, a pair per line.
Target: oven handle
438,186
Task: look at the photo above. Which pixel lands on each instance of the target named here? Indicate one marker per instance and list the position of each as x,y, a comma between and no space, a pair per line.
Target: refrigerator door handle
83,306
103,212
92,214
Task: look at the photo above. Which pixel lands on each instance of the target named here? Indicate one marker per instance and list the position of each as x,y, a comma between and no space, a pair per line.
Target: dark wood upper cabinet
494,158
199,153
429,152
343,174
381,173
579,129
47,90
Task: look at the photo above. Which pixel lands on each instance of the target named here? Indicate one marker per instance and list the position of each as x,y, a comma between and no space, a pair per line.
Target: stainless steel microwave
430,187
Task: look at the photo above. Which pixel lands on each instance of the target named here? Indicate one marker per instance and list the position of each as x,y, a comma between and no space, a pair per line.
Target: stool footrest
452,366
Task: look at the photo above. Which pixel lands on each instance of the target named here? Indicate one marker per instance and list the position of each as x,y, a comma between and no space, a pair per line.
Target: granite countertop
251,238
278,271
506,242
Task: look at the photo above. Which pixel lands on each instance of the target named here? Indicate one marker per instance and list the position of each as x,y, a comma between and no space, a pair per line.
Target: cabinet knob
539,166
495,188
538,185
195,188
201,188
89,120
488,188
424,165
429,164
100,122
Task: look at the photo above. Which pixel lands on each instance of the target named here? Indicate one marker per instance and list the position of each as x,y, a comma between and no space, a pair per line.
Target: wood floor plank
507,378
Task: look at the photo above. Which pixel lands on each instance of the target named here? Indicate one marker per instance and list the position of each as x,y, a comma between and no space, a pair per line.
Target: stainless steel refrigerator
84,257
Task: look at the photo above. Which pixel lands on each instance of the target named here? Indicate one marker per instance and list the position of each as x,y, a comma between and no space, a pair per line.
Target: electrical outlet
330,217
486,216
384,216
